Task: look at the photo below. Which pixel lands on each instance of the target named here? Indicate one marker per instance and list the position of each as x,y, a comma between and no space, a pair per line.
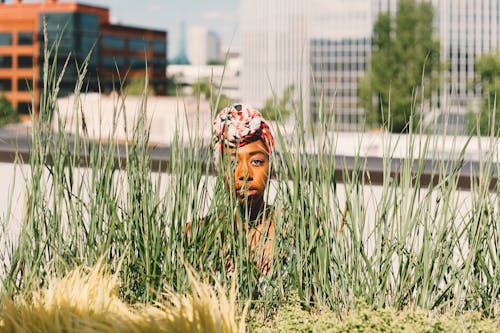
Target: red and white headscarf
240,124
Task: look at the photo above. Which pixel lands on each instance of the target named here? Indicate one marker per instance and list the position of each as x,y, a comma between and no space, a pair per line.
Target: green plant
279,108
292,318
487,121
341,240
174,88
7,112
404,65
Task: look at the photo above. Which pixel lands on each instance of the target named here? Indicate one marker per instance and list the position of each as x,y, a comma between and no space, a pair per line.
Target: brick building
118,51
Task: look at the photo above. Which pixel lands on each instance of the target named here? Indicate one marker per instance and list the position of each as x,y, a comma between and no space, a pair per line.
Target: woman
244,143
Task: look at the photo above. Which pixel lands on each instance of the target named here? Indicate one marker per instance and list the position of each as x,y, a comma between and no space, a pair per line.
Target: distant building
340,48
166,116
181,57
324,46
275,49
336,67
320,47
466,30
83,28
226,78
203,46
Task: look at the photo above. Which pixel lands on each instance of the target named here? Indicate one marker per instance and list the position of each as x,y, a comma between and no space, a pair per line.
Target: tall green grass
338,242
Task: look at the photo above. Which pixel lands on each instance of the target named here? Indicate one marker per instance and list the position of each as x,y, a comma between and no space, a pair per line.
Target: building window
159,63
113,42
137,44
25,62
5,38
25,38
86,43
24,85
5,85
159,46
5,61
23,108
87,22
113,63
138,63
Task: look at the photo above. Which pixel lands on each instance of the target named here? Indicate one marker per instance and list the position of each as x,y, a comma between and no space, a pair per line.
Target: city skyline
318,47
323,47
121,47
221,16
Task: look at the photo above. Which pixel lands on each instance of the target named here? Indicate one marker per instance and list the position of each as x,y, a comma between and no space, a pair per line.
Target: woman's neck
253,210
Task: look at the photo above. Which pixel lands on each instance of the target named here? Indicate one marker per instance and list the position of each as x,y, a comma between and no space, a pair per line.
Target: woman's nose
244,172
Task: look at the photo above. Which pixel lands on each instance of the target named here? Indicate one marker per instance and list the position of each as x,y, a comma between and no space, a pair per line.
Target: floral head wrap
240,124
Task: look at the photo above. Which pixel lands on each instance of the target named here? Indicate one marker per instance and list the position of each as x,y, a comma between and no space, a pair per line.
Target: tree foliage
276,108
174,88
488,119
8,114
404,65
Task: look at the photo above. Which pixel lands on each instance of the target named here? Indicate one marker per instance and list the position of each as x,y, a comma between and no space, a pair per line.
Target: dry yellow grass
88,301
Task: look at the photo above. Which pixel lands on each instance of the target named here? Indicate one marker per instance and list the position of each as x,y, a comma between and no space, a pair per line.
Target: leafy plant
279,108
340,240
404,66
487,121
7,112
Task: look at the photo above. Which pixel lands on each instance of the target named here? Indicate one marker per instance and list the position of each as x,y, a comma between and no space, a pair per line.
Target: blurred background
352,60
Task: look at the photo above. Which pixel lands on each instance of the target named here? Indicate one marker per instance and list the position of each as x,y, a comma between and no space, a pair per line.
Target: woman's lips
249,192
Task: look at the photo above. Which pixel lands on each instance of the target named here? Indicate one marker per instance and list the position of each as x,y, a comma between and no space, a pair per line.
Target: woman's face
251,169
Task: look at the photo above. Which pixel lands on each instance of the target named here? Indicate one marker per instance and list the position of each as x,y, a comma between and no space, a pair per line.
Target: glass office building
320,47
80,31
275,48
340,46
324,46
466,30
76,34
336,66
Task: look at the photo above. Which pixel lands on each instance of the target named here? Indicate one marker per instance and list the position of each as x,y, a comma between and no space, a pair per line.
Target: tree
8,114
488,119
174,88
279,109
404,65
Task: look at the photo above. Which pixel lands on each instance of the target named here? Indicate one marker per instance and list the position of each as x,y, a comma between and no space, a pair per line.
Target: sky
221,16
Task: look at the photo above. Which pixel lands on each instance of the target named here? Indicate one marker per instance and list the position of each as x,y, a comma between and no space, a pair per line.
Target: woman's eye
257,162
